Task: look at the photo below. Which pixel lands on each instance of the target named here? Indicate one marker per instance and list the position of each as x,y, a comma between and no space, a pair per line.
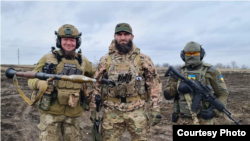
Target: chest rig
127,77
198,75
66,89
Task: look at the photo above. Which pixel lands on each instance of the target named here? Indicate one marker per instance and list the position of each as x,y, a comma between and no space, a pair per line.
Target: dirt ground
19,120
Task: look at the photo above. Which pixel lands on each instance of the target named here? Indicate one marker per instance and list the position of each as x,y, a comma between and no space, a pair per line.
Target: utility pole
18,55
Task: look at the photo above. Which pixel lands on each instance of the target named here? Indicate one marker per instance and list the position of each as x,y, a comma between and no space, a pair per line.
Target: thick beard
124,48
68,54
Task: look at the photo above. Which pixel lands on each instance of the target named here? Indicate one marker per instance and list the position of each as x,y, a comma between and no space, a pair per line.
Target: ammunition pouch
142,89
71,71
120,90
45,102
64,95
73,99
141,86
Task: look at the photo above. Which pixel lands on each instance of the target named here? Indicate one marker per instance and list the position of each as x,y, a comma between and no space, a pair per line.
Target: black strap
79,59
58,57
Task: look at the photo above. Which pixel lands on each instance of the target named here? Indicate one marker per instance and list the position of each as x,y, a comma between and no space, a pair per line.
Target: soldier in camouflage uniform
62,104
133,80
194,68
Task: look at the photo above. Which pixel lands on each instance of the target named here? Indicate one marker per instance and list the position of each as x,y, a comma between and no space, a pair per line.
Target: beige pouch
64,94
73,99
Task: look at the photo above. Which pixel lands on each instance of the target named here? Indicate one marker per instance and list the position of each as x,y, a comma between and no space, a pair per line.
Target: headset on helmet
202,54
68,31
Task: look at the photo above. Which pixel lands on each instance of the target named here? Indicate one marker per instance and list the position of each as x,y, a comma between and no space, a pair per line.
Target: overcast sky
161,28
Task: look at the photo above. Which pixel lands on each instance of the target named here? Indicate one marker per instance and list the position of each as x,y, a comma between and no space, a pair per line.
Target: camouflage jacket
154,85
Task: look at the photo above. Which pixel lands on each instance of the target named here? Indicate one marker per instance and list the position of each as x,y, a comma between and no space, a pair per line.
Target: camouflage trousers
116,122
52,126
189,121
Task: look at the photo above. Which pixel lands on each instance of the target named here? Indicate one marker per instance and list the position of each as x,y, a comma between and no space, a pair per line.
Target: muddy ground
19,121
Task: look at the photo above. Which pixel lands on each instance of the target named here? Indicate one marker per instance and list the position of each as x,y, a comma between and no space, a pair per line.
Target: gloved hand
156,117
41,84
184,88
208,114
168,96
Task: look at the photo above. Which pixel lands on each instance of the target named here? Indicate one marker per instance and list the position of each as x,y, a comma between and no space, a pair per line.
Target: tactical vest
198,75
127,76
65,88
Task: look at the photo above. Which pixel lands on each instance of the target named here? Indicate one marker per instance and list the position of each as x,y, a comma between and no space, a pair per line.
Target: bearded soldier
132,80
194,68
62,104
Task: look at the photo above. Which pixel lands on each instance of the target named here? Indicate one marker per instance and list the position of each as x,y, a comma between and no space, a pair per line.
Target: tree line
232,65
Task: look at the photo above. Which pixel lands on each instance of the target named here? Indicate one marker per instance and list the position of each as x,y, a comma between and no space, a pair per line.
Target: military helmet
192,46
68,31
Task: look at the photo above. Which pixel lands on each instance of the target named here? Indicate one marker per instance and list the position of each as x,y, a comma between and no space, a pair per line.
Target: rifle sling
40,93
193,114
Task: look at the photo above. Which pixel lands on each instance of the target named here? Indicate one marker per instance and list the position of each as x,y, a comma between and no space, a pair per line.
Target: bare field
19,120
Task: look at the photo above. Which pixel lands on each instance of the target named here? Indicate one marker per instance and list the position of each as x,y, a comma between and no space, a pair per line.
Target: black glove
184,88
208,114
168,96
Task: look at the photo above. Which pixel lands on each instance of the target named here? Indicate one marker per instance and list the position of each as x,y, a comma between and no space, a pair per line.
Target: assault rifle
201,91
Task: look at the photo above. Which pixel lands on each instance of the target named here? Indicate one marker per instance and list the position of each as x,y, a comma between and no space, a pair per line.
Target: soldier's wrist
32,83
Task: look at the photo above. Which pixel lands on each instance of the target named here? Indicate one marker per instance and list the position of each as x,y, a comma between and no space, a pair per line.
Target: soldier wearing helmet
63,102
194,68
132,81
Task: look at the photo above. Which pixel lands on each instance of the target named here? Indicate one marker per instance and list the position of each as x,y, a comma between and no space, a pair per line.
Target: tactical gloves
156,117
184,88
208,114
41,84
168,95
